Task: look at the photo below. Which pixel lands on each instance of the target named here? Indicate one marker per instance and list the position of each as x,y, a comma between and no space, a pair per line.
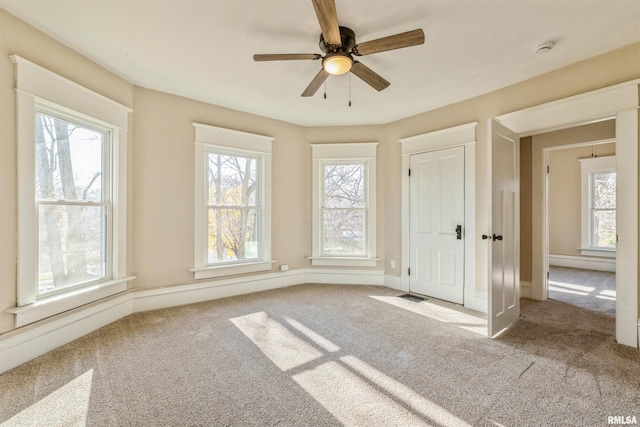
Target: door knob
459,232
497,237
485,237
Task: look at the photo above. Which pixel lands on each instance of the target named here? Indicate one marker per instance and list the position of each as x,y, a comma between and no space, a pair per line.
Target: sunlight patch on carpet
416,402
351,399
353,391
277,342
67,406
565,287
316,338
442,314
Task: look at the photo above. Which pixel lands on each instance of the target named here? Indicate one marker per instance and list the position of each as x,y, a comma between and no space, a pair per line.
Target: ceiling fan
339,45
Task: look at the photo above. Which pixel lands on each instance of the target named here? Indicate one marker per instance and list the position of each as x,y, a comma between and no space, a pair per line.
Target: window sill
229,270
47,307
605,253
344,261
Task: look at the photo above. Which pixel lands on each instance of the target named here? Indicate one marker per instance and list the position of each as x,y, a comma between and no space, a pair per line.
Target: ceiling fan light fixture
337,63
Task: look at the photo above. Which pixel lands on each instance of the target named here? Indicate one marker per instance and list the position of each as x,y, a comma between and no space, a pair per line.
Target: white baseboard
29,342
394,282
525,289
345,277
145,299
475,300
26,343
584,262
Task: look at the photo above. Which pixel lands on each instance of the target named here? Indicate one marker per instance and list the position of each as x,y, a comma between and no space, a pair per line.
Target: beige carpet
594,290
317,355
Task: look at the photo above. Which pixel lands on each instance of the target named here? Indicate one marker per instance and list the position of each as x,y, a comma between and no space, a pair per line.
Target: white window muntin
348,152
592,206
365,209
106,266
260,178
589,168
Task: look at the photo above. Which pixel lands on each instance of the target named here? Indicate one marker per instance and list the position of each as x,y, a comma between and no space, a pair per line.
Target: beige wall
561,230
611,68
564,197
525,209
161,159
163,176
18,38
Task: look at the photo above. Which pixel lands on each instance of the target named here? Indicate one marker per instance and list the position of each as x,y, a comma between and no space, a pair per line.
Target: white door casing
504,289
620,102
459,136
437,224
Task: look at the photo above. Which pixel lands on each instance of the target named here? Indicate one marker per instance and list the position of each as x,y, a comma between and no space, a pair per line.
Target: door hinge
409,271
409,172
547,168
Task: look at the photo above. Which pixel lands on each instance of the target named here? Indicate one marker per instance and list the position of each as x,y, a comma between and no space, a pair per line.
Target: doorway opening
578,199
619,102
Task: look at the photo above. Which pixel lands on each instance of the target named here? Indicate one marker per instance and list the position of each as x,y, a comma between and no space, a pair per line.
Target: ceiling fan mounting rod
348,40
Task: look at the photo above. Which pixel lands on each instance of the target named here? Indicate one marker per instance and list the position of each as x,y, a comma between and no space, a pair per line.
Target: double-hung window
598,180
232,227
344,209
71,194
73,200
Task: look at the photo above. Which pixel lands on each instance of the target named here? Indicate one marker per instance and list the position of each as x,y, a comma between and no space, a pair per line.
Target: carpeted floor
594,290
320,355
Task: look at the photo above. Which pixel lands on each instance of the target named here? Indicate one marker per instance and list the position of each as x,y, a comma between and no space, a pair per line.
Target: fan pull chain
325,89
349,89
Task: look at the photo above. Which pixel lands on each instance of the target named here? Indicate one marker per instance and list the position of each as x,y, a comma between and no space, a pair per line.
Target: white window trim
588,167
38,86
206,138
367,153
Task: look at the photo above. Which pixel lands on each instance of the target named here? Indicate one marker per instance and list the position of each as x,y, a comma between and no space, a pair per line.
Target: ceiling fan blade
285,56
398,41
369,76
316,83
328,19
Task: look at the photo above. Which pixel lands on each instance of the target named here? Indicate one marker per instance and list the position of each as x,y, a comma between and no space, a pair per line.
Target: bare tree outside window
603,232
344,209
71,206
233,208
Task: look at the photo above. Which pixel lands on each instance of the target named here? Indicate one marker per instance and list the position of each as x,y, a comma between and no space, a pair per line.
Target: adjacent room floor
590,289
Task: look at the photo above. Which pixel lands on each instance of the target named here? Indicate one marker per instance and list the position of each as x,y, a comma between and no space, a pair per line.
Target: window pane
232,180
69,161
604,190
604,229
233,234
71,247
344,186
344,231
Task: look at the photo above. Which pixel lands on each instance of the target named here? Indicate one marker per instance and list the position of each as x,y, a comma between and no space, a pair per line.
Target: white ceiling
202,49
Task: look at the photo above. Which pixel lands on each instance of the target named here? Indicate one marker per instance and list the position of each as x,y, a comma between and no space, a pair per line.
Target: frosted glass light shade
337,64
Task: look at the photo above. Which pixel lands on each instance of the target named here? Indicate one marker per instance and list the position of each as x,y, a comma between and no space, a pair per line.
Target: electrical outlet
284,267
393,264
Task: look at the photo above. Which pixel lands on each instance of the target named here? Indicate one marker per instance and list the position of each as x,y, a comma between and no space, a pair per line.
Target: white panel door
504,289
437,224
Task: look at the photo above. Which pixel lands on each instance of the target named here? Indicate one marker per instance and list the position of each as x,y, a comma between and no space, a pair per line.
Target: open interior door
504,255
